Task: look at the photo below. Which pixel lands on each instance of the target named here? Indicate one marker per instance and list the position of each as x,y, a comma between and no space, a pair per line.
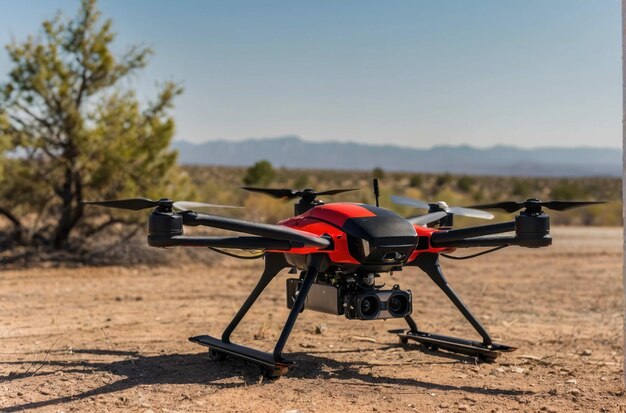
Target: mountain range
294,152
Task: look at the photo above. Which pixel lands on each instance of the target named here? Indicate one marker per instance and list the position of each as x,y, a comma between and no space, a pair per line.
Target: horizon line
348,141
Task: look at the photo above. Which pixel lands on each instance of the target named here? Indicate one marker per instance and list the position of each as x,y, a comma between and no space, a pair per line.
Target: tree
261,173
75,132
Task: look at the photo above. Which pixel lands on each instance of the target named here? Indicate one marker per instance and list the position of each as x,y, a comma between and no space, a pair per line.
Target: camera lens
398,305
369,307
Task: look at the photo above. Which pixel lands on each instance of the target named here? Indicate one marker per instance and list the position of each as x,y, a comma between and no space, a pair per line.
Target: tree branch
9,215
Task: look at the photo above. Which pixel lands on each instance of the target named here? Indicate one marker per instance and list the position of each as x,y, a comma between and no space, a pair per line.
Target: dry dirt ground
115,339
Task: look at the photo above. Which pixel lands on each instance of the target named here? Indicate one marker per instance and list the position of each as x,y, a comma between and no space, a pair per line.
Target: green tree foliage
76,133
378,173
261,173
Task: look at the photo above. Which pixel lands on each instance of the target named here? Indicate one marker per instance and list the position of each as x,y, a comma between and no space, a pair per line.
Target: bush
378,173
261,173
416,181
443,180
465,183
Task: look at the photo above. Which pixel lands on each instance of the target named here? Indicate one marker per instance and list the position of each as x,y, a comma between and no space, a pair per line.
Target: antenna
376,191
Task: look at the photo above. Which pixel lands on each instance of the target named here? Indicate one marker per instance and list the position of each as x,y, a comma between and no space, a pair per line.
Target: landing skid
456,345
219,350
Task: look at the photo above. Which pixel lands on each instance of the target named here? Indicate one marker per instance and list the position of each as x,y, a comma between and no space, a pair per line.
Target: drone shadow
139,370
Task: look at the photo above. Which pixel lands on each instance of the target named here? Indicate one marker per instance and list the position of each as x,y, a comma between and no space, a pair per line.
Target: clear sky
416,73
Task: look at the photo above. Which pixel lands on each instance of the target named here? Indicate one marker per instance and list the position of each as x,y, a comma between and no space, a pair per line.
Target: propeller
291,193
534,205
136,204
441,206
423,220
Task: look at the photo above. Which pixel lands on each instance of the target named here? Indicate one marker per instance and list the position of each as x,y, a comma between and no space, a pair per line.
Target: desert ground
115,338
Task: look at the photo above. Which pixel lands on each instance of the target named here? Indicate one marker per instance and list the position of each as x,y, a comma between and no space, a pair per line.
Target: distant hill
294,152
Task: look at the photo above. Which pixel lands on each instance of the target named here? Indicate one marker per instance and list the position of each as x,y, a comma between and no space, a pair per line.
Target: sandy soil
115,339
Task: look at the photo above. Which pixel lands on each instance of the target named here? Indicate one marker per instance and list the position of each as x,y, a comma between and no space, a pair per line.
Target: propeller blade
508,206
336,191
565,205
512,206
275,192
402,200
469,212
290,193
428,218
190,205
134,204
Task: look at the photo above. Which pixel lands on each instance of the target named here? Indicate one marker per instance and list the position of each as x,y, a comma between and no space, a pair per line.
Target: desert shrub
521,188
567,191
378,173
465,183
416,181
443,179
261,173
301,181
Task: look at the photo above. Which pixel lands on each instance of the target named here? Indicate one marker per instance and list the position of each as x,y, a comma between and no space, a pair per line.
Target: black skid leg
273,364
307,282
429,263
274,263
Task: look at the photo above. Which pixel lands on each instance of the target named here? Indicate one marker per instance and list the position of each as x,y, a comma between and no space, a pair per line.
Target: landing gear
216,355
486,350
273,364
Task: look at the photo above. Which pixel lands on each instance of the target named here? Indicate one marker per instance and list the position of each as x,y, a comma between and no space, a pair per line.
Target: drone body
340,250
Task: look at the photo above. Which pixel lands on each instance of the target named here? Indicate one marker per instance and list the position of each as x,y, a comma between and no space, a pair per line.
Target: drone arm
531,242
275,232
471,232
253,243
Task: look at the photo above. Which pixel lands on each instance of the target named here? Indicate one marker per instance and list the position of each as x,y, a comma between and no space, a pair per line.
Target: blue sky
416,73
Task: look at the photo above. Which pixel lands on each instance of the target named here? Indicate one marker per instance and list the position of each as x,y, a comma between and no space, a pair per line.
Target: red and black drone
340,249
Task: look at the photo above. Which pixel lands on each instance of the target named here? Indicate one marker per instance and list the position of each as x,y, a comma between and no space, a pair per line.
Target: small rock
518,370
307,345
586,352
553,392
444,405
461,376
570,381
321,328
575,392
463,407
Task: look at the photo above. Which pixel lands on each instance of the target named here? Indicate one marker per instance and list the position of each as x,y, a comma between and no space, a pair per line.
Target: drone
339,249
